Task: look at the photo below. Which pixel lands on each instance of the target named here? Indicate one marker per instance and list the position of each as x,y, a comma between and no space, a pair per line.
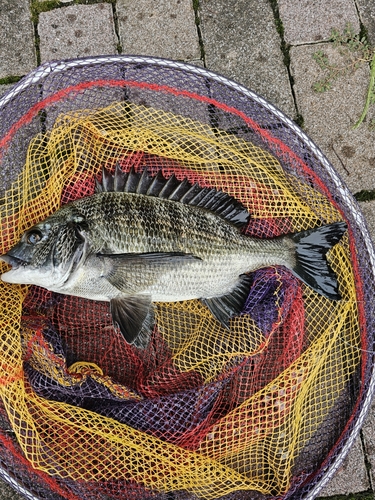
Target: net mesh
201,413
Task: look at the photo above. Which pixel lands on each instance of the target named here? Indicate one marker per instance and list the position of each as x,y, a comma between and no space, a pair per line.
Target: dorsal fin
183,191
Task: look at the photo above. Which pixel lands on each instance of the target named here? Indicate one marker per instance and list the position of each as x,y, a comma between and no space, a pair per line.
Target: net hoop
346,199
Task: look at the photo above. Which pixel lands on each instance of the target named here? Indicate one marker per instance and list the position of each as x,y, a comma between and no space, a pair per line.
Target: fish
142,239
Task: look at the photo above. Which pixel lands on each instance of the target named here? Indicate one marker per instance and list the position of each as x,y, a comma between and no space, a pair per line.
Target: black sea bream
143,239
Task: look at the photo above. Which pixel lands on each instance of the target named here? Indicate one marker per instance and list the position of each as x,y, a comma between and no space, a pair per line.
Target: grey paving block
367,13
368,210
17,45
329,116
5,88
368,429
163,29
306,21
77,31
241,42
8,493
351,477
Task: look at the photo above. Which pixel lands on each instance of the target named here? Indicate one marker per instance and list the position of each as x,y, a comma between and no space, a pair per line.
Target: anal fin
134,317
226,306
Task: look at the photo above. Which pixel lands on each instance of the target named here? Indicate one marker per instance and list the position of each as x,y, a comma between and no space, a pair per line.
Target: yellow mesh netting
254,446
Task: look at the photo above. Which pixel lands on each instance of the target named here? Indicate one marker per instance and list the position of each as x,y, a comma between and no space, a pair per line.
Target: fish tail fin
311,264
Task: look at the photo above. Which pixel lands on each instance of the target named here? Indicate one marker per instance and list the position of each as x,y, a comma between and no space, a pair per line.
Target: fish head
48,252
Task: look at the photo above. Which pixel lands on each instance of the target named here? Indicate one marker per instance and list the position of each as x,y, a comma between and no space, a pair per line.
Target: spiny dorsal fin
183,191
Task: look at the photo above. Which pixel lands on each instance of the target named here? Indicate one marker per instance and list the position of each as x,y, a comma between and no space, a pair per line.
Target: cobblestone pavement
267,45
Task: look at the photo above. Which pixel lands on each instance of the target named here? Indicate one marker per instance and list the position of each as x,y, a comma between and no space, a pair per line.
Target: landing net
260,412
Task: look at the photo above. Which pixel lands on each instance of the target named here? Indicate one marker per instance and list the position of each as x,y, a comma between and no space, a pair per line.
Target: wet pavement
266,45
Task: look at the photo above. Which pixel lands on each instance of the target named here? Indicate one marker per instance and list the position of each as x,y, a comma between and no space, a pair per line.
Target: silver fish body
133,248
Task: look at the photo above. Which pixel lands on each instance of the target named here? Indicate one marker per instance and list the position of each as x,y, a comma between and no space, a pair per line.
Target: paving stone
17,47
306,21
368,210
8,493
241,42
164,29
345,480
368,429
329,116
77,31
5,88
367,13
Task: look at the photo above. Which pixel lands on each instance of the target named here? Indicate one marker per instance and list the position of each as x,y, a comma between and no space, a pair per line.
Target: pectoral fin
133,273
134,317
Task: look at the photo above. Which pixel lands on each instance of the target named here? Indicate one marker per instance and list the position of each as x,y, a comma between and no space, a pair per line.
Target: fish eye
34,236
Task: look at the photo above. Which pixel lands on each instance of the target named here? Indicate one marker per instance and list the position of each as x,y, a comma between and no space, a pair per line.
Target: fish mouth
15,262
